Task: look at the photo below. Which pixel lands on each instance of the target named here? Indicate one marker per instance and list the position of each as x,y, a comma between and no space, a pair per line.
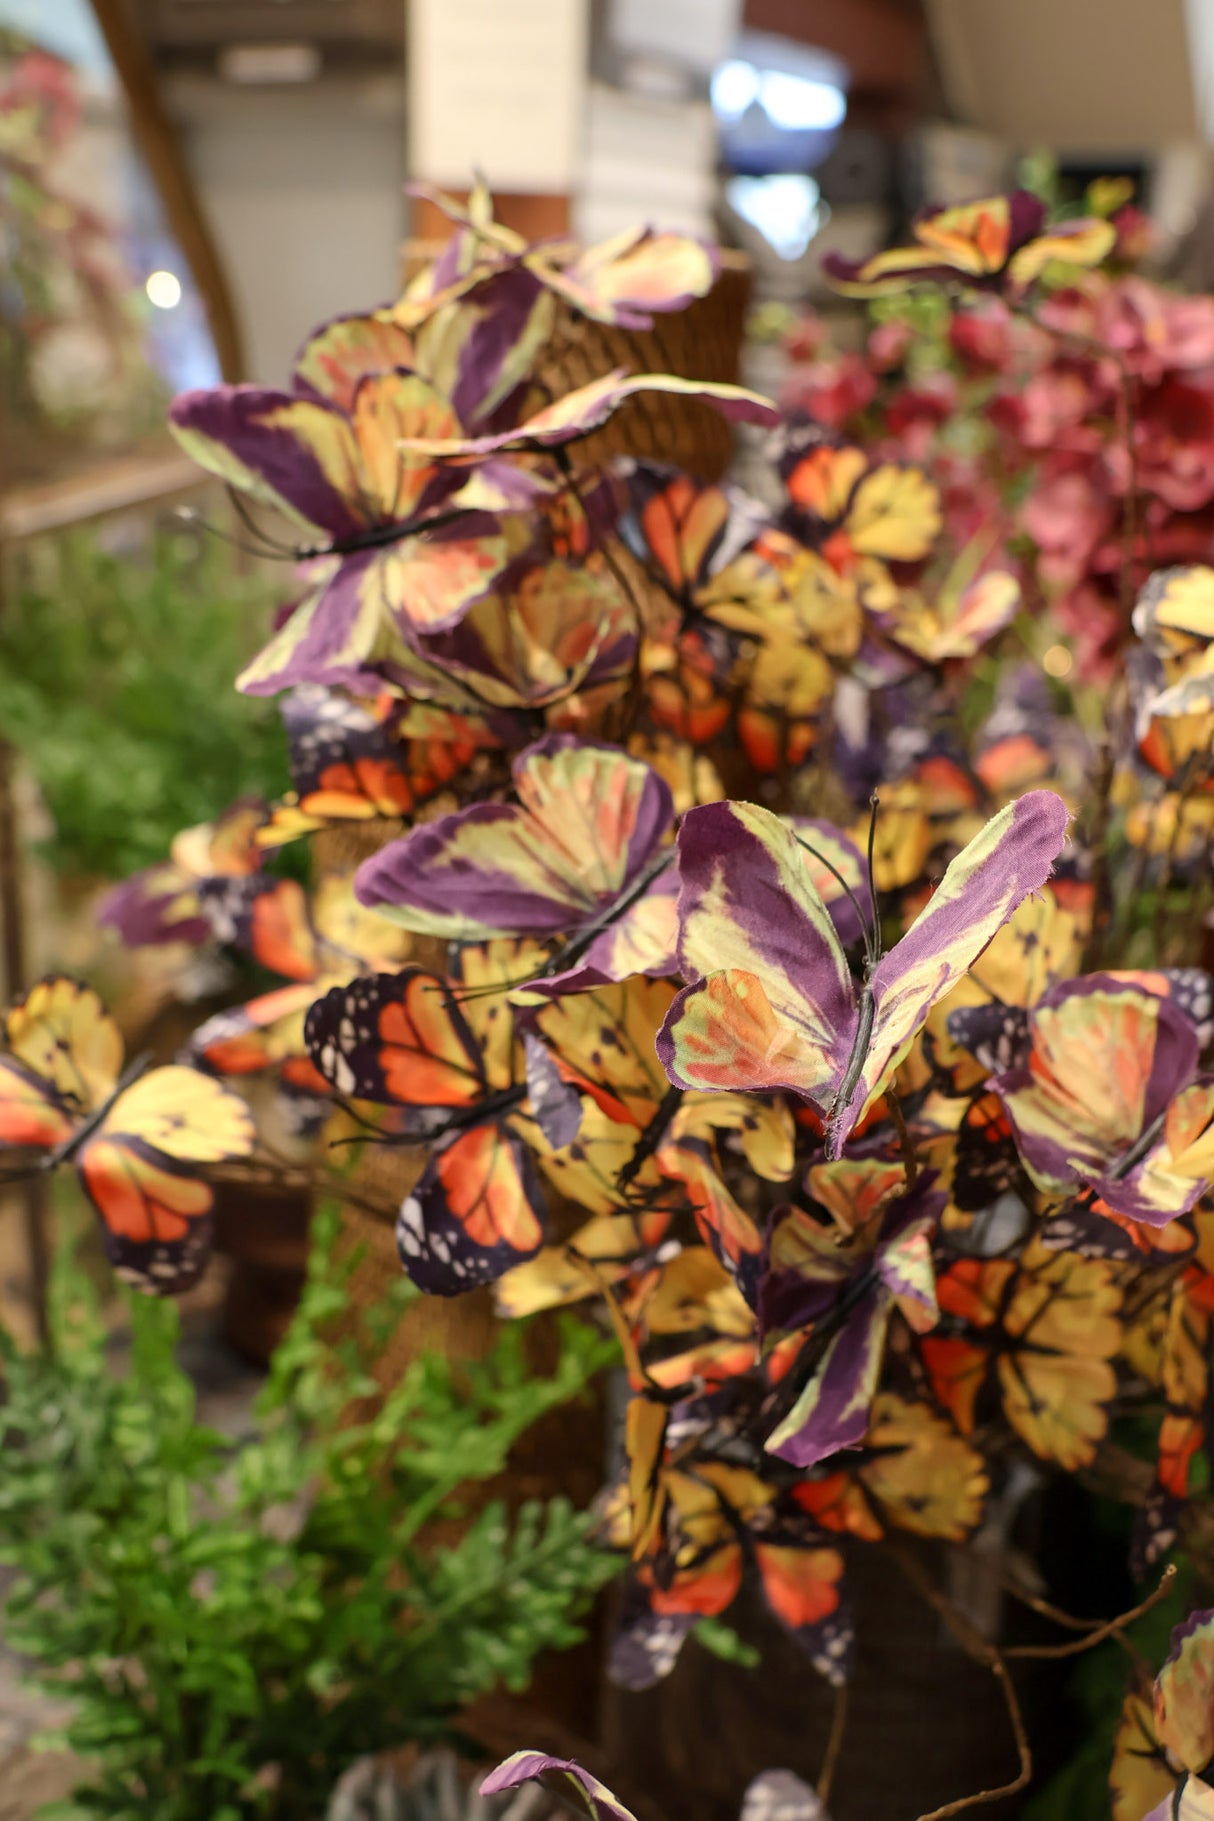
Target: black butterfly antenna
874,804
188,515
871,937
271,546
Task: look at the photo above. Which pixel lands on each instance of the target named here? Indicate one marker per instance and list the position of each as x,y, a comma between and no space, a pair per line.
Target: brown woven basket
704,341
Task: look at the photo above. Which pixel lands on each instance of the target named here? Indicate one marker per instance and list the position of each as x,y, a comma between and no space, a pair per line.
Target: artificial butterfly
402,1041
350,764
861,516
696,1524
772,1005
136,1139
550,630
1110,1100
976,243
840,1292
956,618
168,902
581,853
1043,1331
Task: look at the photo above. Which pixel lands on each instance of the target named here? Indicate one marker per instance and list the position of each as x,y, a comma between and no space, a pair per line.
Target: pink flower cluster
1021,422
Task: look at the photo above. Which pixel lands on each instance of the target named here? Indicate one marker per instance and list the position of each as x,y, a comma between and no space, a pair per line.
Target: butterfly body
866,1012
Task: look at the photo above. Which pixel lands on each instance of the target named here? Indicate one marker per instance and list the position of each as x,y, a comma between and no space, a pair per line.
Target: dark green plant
116,671
234,1622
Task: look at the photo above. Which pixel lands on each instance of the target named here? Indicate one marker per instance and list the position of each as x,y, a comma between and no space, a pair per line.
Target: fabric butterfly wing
398,1040
268,918
64,1057
401,1040
1011,857
771,1004
297,455
588,821
782,1012
61,1032
801,1576
136,1169
477,1211
33,1115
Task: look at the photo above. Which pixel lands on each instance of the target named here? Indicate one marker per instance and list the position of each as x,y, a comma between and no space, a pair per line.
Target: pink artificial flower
830,391
915,414
1067,514
888,344
982,339
1091,622
971,504
1136,234
1174,445
806,338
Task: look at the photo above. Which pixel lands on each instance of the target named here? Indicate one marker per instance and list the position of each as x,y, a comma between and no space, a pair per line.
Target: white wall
302,188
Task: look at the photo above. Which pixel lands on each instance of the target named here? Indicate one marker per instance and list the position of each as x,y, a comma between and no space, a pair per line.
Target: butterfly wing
1139,1778
922,1475
297,455
33,1114
801,1576
1011,857
261,1034
341,353
772,1005
602,1042
269,918
1056,1375
154,1210
155,1215
477,1211
588,820
62,1033
587,407
397,1039
1085,241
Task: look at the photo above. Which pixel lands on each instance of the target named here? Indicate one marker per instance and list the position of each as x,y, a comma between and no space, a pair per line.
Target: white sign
497,86
697,34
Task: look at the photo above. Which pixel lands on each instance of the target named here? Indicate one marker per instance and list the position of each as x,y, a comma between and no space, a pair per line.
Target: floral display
778,931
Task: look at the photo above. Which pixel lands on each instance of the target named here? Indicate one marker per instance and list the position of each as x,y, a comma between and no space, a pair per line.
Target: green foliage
235,1622
723,1641
116,674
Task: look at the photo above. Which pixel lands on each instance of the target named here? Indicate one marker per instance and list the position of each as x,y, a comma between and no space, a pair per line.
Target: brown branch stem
1110,1629
834,1745
906,1144
1023,1753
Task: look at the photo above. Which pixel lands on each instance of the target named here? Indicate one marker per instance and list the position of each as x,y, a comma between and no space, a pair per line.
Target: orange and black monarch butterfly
402,1040
136,1138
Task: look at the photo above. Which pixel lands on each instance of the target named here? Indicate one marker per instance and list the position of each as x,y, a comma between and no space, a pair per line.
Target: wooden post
13,968
158,142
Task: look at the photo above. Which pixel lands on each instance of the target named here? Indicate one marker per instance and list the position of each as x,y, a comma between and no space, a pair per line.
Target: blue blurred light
800,104
786,208
735,85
